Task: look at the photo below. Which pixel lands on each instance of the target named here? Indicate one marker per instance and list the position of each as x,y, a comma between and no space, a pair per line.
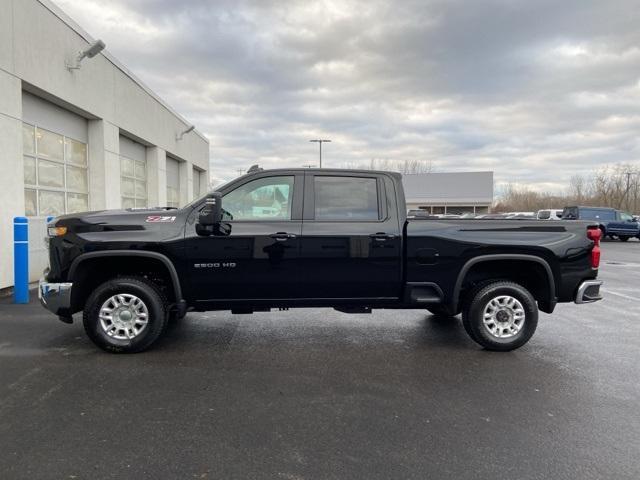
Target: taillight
594,233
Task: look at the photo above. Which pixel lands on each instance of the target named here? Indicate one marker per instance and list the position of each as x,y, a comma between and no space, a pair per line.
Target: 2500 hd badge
215,265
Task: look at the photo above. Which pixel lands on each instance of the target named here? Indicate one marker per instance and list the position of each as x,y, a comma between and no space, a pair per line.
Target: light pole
320,142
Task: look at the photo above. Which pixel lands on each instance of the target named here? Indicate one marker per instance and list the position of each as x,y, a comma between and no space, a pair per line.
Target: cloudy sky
534,90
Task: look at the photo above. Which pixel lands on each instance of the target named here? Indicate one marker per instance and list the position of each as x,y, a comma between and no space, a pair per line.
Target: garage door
173,183
133,173
55,158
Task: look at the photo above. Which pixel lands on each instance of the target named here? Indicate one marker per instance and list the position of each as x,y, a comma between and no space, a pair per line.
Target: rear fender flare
488,258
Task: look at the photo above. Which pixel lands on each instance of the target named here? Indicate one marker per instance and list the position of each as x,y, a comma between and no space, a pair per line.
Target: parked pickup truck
613,223
311,238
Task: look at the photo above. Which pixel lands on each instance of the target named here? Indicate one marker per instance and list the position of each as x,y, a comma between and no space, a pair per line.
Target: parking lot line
622,295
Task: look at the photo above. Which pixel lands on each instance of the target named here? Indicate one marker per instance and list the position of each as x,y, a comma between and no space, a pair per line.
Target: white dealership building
449,192
87,138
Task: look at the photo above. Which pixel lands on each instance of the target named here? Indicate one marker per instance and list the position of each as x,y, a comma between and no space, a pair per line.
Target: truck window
346,198
570,213
544,214
601,214
267,198
625,217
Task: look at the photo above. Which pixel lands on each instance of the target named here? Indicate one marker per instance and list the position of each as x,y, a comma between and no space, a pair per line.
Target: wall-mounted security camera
184,132
89,52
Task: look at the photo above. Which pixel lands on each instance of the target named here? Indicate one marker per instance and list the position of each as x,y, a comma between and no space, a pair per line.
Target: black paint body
390,263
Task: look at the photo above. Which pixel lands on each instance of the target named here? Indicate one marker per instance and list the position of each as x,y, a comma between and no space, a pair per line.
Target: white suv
549,214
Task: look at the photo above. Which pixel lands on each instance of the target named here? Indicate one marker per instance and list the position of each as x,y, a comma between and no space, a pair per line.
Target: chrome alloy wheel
503,316
123,316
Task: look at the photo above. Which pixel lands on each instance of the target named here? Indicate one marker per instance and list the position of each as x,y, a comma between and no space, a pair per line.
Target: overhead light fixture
89,52
182,134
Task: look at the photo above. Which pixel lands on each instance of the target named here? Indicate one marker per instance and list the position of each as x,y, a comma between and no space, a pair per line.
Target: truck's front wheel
125,315
500,316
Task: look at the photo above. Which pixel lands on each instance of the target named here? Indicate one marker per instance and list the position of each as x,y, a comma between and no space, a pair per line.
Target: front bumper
589,291
55,297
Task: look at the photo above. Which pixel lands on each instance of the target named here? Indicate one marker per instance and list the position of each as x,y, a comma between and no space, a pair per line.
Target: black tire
623,238
467,298
440,311
474,309
151,298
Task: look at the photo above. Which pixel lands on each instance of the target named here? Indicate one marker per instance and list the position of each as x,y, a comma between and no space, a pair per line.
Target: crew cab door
259,258
351,237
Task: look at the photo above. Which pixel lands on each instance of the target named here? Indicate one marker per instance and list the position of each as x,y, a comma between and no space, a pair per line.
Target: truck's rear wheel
125,315
500,316
623,238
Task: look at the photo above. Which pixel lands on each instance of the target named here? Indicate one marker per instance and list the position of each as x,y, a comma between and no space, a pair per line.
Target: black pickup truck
311,238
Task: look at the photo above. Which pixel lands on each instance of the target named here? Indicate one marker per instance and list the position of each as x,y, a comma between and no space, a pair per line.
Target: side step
347,309
249,310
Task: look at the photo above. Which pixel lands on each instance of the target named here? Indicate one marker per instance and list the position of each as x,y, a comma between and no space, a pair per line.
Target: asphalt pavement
317,394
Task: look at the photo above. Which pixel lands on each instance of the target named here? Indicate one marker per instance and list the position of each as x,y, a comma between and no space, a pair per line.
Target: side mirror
211,214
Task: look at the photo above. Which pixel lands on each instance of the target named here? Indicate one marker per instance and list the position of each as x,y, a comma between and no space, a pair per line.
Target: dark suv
613,223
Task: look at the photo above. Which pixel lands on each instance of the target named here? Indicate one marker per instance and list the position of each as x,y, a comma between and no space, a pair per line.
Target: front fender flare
175,280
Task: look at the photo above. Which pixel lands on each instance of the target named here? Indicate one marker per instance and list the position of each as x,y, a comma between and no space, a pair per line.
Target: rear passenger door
351,237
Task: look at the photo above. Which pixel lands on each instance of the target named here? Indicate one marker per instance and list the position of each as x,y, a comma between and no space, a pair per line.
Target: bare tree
615,186
402,166
577,188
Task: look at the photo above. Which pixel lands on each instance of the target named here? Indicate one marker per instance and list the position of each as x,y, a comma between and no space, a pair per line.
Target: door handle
382,237
282,236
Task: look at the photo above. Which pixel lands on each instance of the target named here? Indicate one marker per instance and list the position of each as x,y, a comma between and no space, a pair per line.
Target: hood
130,219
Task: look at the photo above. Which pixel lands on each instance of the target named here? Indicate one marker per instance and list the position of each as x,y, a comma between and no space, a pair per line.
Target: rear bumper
589,291
55,297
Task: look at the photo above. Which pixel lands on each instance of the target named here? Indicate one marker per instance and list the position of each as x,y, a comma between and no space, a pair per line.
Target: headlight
56,231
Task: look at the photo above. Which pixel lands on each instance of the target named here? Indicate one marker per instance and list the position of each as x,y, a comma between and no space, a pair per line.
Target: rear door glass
346,198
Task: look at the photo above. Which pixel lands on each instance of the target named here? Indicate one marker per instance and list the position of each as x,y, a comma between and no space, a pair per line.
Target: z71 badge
159,219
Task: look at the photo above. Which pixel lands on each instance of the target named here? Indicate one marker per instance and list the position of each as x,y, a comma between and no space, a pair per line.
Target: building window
55,173
196,183
173,183
133,182
460,210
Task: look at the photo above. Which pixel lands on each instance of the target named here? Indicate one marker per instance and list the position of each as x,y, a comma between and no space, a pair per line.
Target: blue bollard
20,260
